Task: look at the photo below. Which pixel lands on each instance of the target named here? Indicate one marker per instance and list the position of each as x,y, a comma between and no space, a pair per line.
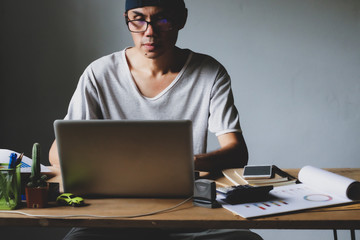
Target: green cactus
35,167
36,180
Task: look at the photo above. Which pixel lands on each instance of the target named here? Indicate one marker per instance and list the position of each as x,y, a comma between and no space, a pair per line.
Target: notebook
111,158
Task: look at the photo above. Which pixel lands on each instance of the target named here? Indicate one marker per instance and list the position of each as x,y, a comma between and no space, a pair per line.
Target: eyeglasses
140,26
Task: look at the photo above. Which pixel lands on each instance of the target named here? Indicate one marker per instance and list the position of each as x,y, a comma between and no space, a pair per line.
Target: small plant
36,180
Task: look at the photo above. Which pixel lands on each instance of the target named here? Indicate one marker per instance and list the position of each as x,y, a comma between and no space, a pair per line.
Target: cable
98,216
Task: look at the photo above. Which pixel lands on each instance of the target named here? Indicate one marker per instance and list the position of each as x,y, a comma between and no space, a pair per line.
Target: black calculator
245,193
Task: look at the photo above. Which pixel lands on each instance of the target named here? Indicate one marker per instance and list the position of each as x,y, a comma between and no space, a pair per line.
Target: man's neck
153,75
169,62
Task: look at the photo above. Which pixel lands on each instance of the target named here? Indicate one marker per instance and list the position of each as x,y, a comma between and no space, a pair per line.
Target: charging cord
99,216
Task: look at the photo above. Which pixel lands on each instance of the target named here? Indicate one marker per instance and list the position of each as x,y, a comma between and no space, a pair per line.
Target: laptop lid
111,158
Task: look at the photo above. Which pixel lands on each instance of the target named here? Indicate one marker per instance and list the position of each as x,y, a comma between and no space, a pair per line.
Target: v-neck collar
132,81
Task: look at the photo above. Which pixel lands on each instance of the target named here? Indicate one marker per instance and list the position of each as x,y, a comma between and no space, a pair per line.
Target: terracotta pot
36,197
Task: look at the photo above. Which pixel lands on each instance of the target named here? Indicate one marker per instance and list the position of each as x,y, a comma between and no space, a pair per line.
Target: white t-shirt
201,93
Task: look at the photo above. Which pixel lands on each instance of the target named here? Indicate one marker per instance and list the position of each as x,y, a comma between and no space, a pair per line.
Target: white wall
295,67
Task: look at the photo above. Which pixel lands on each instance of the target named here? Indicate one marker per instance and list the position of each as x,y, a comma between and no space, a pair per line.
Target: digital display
257,170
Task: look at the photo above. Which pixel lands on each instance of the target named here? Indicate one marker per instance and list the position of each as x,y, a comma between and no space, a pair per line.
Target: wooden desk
187,215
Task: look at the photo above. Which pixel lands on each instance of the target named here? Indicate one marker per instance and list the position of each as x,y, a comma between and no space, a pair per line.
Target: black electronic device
245,193
257,171
205,193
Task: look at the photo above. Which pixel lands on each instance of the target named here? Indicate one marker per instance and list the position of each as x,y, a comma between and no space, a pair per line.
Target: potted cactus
36,189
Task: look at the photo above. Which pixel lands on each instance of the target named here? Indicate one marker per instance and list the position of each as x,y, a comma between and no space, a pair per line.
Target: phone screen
257,170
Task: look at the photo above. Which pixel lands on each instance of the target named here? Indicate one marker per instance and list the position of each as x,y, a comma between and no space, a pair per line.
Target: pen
18,160
12,161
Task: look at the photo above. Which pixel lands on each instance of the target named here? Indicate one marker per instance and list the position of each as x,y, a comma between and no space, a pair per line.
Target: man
155,80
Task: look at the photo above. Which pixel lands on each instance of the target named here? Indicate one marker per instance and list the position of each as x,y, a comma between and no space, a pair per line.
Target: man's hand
54,156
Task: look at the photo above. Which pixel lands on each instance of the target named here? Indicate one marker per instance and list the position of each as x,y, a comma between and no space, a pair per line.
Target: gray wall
295,68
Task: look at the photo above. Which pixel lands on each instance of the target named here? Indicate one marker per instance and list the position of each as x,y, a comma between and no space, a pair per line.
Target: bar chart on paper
266,205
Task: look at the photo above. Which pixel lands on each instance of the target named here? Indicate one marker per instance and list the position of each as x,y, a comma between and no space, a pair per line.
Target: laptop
111,158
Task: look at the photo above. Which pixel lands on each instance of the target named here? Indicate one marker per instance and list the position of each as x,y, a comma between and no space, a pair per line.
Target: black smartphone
257,171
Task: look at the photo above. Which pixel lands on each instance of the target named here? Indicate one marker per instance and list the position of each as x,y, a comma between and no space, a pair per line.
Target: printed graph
266,205
318,198
24,165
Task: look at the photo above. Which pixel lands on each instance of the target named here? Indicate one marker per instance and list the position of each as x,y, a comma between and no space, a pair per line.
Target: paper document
319,188
280,178
25,163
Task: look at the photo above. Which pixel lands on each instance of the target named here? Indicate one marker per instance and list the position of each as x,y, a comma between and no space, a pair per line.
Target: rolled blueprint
330,182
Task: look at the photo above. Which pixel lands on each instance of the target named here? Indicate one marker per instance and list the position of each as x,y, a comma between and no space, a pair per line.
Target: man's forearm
231,156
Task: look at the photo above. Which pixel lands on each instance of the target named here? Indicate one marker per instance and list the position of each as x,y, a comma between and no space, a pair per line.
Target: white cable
98,216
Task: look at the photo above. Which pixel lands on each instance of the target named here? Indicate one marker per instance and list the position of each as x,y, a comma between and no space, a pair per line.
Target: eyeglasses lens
141,26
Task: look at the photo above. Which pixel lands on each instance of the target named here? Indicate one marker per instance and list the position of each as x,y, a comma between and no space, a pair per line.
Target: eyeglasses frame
147,24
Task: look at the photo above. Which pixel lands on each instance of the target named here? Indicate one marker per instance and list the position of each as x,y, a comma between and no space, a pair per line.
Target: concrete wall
294,66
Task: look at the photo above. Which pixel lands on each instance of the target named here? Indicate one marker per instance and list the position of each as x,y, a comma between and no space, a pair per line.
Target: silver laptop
107,158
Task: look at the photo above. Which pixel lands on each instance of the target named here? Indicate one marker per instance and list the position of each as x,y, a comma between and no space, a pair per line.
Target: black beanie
174,4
